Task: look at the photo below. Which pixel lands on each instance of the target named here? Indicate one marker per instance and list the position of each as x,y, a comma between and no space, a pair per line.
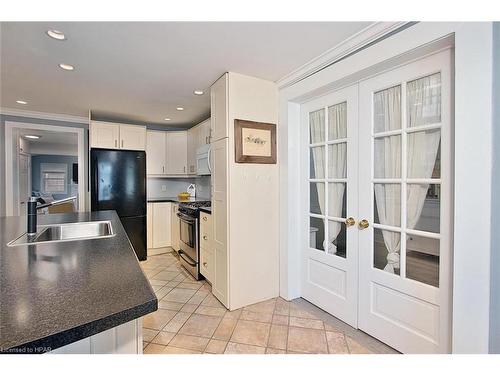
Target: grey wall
495,200
37,160
30,120
174,186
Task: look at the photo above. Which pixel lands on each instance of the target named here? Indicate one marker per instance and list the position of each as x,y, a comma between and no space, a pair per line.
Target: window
54,178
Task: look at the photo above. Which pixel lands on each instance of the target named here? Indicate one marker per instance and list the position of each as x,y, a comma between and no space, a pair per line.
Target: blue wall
36,162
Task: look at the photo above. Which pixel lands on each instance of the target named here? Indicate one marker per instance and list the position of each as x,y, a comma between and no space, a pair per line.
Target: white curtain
317,129
337,168
424,107
387,106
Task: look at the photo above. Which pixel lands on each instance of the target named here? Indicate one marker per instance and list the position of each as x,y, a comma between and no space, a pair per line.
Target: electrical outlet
163,187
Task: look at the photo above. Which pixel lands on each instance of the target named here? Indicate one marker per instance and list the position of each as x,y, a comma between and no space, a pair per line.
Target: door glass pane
337,199
387,163
387,110
424,100
423,207
386,245
337,121
387,207
317,162
422,259
337,160
423,155
317,126
316,233
337,238
317,198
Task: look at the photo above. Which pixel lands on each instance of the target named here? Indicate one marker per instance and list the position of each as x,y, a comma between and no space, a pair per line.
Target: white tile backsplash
170,187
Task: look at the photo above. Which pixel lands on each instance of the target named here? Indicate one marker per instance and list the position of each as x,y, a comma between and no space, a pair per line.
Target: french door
390,273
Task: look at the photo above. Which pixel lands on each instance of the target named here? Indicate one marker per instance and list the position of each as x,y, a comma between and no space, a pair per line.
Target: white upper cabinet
192,145
204,133
104,135
176,153
156,153
133,137
218,104
117,136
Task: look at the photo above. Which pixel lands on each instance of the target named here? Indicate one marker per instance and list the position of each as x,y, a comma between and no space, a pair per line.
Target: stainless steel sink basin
67,232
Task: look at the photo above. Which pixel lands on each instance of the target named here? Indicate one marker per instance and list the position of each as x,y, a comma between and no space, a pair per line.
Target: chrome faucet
33,207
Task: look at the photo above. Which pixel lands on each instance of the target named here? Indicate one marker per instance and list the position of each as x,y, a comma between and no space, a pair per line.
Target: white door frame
10,131
473,44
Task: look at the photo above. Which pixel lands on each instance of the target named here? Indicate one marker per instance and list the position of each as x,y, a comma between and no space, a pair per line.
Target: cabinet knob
205,264
204,218
205,238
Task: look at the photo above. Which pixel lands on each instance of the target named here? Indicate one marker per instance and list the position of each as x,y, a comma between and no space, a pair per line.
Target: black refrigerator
119,183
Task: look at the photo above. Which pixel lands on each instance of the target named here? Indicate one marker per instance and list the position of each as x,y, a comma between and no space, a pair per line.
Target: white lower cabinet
206,252
176,227
123,339
159,225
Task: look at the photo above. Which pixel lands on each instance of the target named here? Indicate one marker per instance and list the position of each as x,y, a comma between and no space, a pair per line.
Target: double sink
66,232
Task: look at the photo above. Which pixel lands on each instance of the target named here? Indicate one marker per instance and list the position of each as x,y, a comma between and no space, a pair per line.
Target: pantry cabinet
219,123
117,136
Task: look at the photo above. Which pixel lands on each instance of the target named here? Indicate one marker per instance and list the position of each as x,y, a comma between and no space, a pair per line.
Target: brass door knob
350,221
363,224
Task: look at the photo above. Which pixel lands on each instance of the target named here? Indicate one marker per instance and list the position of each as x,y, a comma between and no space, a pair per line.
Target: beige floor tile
177,322
162,292
175,350
282,307
236,348
275,351
336,343
144,344
216,346
280,320
154,349
188,285
163,338
173,283
189,342
212,311
211,301
197,298
149,334
179,295
225,329
263,307
251,333
189,308
158,319
200,325
256,316
306,323
299,312
331,328
307,340
355,347
207,287
235,314
166,275
278,337
175,306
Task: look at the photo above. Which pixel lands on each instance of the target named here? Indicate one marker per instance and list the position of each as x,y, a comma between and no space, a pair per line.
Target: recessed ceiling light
66,67
198,92
21,102
167,119
56,34
180,108
31,136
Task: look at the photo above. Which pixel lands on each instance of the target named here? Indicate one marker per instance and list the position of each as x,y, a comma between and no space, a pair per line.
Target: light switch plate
163,187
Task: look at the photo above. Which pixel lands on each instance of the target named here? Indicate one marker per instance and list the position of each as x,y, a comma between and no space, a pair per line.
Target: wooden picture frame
254,142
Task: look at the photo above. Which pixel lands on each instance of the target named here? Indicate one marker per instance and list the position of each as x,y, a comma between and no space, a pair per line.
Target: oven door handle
188,261
186,218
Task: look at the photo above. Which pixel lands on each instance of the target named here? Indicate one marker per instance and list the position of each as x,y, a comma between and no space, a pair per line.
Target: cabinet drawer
206,263
205,230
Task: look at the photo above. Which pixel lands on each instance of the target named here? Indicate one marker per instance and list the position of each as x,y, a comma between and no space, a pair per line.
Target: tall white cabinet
245,201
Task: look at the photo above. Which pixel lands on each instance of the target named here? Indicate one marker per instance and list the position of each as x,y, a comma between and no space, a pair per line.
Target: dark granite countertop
57,293
208,210
175,199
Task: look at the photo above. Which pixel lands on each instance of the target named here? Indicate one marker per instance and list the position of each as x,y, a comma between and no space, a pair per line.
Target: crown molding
43,115
360,40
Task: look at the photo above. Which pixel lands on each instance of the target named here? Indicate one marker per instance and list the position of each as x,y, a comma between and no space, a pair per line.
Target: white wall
473,132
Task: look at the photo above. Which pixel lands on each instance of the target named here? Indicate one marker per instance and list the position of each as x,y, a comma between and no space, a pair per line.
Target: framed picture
255,142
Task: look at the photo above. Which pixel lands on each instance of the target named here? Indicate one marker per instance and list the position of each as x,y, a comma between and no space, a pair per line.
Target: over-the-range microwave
203,160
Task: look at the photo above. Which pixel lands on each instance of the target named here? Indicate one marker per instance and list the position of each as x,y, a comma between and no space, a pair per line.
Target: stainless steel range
189,252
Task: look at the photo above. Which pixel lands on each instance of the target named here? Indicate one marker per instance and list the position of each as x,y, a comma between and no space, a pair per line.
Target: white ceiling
140,72
50,137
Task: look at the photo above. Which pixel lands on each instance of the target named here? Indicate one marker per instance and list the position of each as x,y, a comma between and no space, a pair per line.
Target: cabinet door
149,225
155,153
218,108
133,137
220,220
176,153
104,135
192,145
175,227
204,133
162,224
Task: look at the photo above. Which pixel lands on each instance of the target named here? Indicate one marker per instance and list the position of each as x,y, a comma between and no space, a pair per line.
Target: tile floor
191,320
